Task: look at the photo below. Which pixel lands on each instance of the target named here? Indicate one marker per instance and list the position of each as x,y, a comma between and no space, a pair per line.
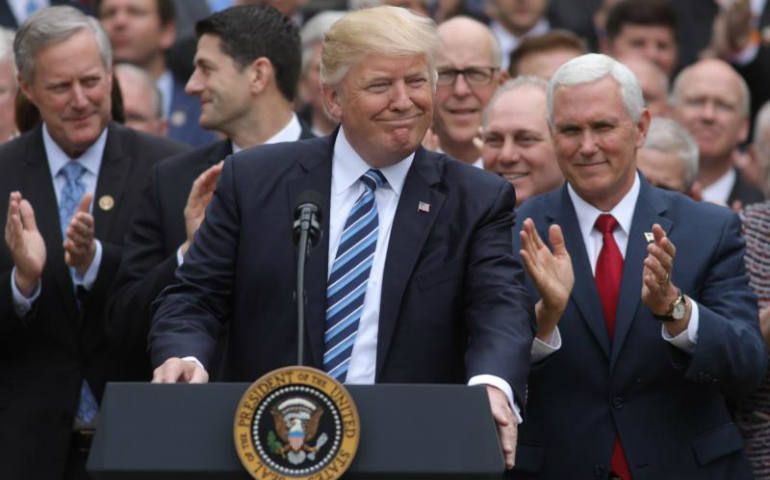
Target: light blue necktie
71,194
349,277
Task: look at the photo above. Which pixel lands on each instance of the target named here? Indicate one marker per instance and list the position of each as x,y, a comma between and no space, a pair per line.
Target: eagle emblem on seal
296,424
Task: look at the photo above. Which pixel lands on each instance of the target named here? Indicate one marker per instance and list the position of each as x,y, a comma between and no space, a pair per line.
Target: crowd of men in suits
611,322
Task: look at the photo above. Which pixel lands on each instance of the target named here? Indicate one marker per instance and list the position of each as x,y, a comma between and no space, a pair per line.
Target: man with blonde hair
409,283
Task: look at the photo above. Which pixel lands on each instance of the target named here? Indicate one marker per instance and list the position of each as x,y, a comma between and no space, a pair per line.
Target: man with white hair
661,325
410,283
712,101
669,157
8,87
142,103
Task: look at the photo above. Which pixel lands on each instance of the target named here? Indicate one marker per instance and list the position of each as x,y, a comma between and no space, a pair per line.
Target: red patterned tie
609,270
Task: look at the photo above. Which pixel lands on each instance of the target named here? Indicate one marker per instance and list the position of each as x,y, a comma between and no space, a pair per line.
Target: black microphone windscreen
310,197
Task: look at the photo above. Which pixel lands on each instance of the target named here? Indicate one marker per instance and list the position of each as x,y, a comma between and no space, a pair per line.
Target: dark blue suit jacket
184,119
667,406
453,300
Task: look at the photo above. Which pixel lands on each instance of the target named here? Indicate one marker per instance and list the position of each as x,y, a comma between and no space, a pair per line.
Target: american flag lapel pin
423,207
649,237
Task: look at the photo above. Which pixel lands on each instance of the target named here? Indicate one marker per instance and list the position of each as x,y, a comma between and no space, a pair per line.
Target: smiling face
518,145
385,105
71,88
465,44
596,141
709,99
222,87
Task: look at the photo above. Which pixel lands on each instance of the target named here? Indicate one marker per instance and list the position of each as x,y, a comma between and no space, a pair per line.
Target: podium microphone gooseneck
307,232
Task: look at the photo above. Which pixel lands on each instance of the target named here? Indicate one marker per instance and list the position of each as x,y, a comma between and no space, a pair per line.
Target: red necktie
609,270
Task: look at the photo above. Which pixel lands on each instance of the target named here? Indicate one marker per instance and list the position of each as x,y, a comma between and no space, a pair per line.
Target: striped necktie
349,277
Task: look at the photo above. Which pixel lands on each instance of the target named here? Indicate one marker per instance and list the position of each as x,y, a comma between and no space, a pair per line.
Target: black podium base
412,432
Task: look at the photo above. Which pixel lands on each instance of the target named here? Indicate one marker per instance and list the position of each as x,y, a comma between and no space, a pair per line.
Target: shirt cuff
179,257
194,360
745,56
87,280
687,340
497,382
21,304
542,349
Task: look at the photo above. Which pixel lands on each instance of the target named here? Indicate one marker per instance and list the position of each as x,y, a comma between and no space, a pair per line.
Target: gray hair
6,44
666,135
591,68
52,25
745,105
140,75
313,32
508,86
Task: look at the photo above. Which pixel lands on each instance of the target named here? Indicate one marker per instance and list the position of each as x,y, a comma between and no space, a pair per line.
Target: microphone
308,217
306,232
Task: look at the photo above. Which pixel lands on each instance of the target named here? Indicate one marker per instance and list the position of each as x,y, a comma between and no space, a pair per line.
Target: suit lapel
584,294
407,236
37,188
315,174
113,174
649,210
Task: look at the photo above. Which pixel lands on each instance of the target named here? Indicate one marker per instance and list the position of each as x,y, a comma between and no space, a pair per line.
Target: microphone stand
303,247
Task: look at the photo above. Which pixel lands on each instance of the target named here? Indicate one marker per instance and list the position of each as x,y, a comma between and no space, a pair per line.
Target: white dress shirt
593,240
347,168
165,84
91,160
509,42
719,191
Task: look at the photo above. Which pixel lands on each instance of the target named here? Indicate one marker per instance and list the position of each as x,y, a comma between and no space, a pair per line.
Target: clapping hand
79,238
551,273
25,243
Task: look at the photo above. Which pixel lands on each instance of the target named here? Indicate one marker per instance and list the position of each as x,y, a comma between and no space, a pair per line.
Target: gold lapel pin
649,237
106,202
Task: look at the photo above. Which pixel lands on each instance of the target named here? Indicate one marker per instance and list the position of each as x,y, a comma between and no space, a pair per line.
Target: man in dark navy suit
661,325
413,280
69,187
247,69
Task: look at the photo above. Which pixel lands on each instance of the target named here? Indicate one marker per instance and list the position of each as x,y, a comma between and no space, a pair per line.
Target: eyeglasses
472,75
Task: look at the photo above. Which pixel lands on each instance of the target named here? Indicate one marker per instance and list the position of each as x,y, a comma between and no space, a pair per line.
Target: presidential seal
296,422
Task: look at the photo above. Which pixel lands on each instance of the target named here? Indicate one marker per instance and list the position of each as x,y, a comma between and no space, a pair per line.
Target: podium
412,432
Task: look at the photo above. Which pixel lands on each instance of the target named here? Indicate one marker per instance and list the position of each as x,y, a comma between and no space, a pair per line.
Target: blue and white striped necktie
349,277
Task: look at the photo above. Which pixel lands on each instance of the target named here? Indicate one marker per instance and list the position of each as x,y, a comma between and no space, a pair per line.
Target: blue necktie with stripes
71,194
349,277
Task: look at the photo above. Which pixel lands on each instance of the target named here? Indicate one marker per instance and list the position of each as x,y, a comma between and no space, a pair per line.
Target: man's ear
261,74
26,89
643,126
167,36
332,102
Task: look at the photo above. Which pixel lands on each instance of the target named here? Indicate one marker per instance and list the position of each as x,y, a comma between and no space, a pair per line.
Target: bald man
712,101
469,72
653,81
142,102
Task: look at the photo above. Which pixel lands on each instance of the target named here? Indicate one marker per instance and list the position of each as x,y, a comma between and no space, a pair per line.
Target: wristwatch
676,311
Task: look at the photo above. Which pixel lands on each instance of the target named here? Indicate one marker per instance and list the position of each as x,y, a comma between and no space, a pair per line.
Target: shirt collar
348,166
623,211
290,133
91,159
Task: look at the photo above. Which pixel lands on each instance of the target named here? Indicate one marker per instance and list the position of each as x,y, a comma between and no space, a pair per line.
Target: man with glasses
468,74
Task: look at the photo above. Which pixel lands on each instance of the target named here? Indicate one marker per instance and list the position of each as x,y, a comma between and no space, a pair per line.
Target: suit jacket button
617,402
600,470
